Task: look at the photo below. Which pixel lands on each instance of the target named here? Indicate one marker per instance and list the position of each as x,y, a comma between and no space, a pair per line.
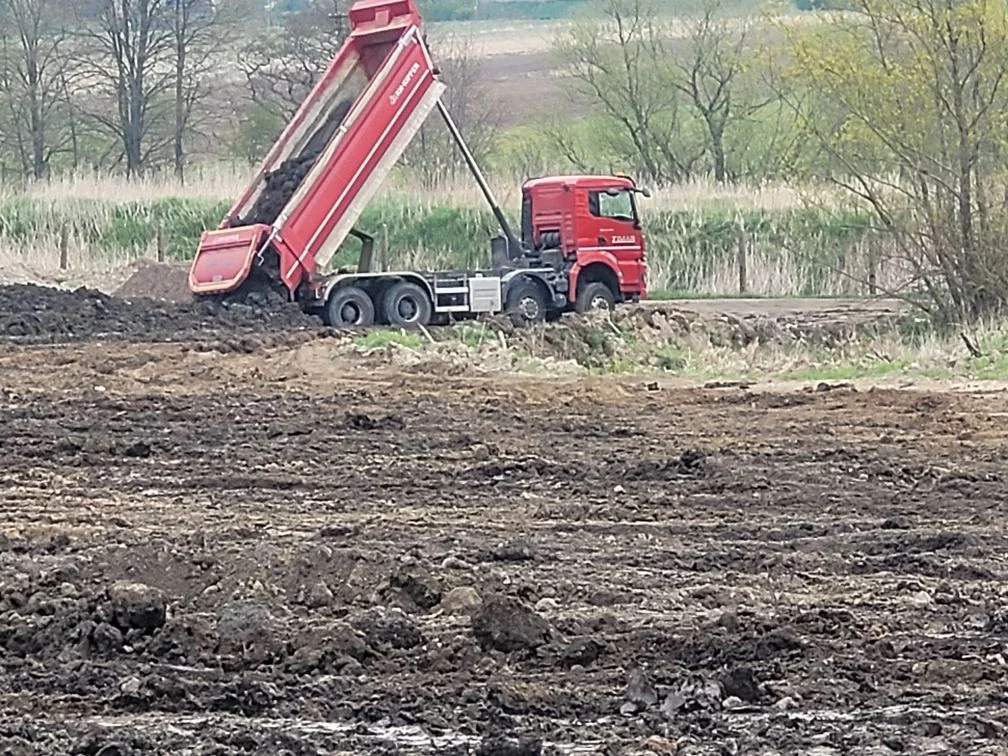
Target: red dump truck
582,246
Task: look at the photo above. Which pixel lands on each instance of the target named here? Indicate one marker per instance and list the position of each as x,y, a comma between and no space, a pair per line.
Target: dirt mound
165,282
40,314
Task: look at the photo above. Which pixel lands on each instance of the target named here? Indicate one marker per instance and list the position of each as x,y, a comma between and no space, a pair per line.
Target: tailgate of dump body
224,258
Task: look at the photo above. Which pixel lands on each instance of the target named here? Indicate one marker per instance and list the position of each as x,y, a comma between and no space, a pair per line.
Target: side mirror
646,192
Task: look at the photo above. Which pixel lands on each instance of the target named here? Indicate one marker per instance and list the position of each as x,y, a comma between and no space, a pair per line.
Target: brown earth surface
165,282
282,549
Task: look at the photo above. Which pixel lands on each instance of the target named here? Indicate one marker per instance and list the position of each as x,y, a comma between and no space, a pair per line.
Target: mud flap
224,258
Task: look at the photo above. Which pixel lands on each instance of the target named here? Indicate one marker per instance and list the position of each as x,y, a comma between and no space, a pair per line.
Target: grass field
795,243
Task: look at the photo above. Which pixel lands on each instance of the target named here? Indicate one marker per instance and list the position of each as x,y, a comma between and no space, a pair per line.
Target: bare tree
433,156
199,29
710,67
281,68
909,100
33,60
129,57
624,66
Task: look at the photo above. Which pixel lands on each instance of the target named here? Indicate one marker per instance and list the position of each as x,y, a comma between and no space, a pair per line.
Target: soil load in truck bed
281,183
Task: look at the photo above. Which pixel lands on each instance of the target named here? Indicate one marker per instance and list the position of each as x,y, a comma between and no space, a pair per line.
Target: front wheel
526,303
349,306
594,296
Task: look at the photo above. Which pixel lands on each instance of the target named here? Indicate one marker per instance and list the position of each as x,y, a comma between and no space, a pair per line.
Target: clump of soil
284,181
165,282
40,314
506,624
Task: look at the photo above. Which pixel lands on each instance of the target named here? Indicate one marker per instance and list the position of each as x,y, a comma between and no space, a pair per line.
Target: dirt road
285,551
806,308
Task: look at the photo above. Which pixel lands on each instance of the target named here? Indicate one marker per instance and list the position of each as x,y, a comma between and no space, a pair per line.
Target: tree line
134,84
902,105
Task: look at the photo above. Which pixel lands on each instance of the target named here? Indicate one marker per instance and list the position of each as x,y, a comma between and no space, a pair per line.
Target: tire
594,296
349,306
526,303
407,304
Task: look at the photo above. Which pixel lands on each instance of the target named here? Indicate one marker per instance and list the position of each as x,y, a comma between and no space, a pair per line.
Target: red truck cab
595,223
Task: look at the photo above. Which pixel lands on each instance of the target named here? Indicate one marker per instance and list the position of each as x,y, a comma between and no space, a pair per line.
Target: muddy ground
282,550
31,314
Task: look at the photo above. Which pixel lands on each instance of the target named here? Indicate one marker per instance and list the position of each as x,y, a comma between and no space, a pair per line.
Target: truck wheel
526,303
594,296
349,306
406,304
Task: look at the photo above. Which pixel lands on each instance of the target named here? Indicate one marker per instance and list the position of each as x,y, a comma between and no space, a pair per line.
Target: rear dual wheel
349,306
404,304
407,304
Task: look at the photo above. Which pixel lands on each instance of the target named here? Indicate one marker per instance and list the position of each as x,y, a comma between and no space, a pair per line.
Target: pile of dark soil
40,314
284,181
165,282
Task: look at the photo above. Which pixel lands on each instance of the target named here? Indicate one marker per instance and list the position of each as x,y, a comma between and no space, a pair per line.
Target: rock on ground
387,628
417,585
249,630
506,624
462,600
640,692
137,606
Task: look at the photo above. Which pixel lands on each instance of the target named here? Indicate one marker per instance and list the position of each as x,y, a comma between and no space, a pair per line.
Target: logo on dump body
394,97
624,240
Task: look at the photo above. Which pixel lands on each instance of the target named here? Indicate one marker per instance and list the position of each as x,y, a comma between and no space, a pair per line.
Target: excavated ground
292,552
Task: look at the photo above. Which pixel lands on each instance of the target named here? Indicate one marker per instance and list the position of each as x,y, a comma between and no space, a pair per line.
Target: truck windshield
618,206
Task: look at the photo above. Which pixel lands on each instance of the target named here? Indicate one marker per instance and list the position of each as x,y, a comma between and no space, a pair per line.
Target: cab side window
617,206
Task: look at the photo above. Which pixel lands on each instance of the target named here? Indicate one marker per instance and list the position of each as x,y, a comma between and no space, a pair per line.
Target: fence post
384,256
64,247
872,268
743,273
160,242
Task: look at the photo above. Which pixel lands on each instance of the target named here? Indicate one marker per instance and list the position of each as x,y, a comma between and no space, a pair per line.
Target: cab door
613,225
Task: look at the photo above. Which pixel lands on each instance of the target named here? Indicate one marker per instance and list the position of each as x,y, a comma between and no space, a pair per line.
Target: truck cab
593,224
